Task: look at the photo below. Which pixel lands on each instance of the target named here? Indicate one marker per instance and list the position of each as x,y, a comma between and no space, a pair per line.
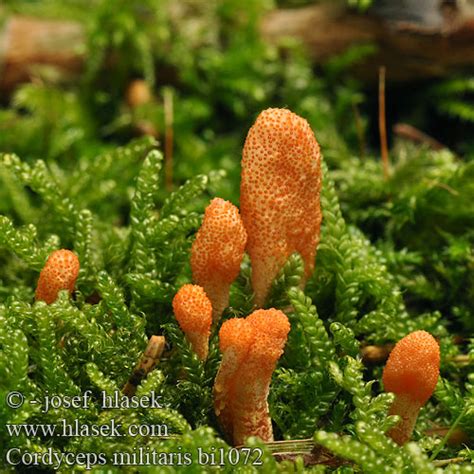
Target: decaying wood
27,43
408,52
147,363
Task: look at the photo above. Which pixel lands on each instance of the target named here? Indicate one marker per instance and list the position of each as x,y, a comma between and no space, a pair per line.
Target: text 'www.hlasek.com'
108,427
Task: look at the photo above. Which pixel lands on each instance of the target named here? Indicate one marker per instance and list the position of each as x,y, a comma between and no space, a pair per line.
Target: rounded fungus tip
271,322
412,368
60,272
217,252
193,311
235,333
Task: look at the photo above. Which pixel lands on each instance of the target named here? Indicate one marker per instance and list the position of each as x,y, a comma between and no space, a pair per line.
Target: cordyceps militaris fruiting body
411,373
217,252
279,195
250,350
193,312
60,272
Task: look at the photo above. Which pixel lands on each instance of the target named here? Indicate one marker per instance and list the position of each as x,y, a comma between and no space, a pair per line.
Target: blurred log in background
414,39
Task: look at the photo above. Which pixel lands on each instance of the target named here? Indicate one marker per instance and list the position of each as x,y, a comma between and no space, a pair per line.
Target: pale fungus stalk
235,337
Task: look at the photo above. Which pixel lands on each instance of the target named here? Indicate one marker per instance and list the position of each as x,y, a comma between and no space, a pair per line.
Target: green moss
395,254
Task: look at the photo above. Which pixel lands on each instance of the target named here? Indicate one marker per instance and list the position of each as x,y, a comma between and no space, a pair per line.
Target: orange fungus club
59,273
193,312
250,350
279,195
411,373
217,252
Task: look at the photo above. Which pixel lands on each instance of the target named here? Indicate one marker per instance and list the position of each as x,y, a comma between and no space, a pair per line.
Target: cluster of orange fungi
279,214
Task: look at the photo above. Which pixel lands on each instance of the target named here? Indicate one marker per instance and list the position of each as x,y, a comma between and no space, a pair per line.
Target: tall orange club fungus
279,195
193,312
60,272
250,350
217,252
411,373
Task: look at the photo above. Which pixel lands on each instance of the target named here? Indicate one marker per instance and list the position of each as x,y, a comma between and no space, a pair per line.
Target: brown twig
446,462
312,453
463,359
169,118
457,436
444,186
411,133
318,455
383,124
378,354
147,363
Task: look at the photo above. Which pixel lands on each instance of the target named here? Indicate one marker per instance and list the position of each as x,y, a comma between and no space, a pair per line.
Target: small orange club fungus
279,195
59,273
411,373
217,252
193,312
250,350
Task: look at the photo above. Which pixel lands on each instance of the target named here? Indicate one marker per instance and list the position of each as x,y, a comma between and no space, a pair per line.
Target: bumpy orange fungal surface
193,311
217,252
270,322
59,273
412,368
279,195
236,334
